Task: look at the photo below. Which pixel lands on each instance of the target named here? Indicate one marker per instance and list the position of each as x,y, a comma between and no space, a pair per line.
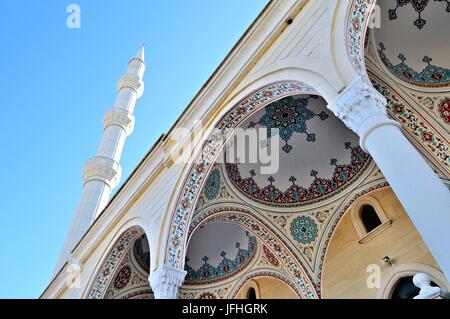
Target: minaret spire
141,54
102,172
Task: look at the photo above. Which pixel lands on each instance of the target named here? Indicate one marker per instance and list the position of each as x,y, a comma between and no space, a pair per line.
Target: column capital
166,282
362,108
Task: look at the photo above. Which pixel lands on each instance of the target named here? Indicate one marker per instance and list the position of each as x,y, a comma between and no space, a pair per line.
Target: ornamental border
262,273
356,29
112,261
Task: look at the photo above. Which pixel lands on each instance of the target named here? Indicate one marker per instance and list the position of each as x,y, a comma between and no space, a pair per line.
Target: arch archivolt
301,69
202,216
267,235
358,18
308,51
247,281
115,251
211,148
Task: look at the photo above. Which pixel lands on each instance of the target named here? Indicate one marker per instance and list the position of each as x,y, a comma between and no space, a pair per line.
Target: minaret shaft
102,172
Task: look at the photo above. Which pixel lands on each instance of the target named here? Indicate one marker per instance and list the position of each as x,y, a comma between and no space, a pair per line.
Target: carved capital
166,282
362,108
102,169
131,81
120,117
358,102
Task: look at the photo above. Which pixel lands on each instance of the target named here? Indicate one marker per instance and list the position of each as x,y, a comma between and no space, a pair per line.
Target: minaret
102,172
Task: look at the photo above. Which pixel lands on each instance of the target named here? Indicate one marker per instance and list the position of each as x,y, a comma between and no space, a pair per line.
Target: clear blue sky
56,84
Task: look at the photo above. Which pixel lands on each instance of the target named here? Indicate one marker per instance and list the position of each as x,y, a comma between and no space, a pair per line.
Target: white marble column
166,282
102,172
423,195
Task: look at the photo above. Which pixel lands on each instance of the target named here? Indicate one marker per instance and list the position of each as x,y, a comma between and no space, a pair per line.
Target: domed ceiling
413,41
217,252
318,155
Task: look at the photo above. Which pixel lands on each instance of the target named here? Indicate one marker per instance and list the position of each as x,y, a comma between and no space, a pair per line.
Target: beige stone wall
269,288
345,266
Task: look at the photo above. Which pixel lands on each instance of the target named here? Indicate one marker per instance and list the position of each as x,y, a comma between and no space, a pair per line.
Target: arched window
368,218
251,293
405,289
250,290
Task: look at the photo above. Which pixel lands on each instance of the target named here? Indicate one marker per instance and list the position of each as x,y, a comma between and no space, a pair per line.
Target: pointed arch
262,273
304,285
109,265
187,197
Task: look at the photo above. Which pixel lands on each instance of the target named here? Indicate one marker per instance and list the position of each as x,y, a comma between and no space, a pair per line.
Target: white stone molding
102,169
120,117
137,59
166,282
131,81
359,105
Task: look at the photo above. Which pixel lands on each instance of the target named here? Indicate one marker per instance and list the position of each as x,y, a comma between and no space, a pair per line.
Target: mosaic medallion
289,116
212,186
304,230
123,277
